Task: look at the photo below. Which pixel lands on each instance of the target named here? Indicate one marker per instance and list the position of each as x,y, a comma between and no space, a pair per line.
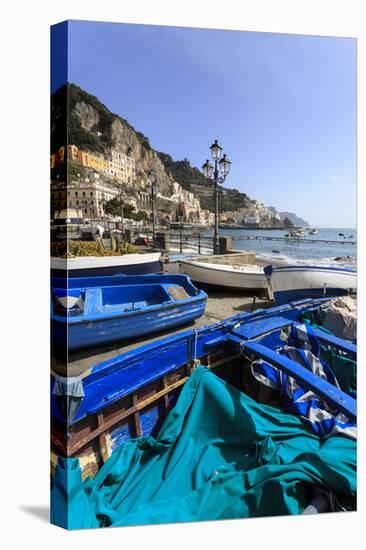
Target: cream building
120,167
207,217
90,197
252,220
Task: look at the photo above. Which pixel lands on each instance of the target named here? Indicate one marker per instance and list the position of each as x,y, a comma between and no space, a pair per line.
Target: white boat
297,232
93,266
226,272
313,232
296,282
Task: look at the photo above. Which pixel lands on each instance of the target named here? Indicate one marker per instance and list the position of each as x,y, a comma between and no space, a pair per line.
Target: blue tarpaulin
218,455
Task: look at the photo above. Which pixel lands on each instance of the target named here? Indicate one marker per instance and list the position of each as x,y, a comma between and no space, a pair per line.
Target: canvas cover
305,349
218,455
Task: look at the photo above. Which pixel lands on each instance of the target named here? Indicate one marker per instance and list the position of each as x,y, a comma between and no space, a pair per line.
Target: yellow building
61,155
73,153
91,161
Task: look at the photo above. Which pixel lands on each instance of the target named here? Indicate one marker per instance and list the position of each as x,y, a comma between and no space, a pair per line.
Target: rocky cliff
298,222
92,127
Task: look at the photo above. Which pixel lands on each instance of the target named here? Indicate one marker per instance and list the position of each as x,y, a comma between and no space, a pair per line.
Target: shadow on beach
40,512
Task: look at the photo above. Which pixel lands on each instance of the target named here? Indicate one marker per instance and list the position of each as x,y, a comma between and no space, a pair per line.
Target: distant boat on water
297,232
313,232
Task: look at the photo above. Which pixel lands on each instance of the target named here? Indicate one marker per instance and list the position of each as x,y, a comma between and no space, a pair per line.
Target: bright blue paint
339,343
122,307
120,435
286,296
307,379
255,329
113,379
148,420
59,53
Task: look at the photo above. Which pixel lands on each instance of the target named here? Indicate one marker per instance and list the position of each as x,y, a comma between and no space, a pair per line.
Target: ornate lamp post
217,174
153,182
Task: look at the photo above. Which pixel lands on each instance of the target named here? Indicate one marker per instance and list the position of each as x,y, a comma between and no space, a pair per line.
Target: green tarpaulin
344,368
218,455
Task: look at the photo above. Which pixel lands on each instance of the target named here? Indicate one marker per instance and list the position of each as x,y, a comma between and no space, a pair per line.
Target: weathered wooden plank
105,421
136,418
166,396
103,442
78,445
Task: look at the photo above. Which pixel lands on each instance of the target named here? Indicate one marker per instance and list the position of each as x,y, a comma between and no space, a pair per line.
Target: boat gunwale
273,269
79,320
112,364
214,267
232,339
109,261
126,281
139,355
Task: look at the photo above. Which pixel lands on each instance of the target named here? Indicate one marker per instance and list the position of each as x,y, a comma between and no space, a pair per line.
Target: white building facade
90,197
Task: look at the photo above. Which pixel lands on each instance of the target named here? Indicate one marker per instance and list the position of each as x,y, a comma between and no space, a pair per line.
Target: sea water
299,251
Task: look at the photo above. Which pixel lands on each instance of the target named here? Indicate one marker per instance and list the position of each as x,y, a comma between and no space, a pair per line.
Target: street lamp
122,217
217,174
153,182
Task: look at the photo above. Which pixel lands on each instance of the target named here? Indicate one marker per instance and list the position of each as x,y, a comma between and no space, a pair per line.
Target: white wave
273,258
192,250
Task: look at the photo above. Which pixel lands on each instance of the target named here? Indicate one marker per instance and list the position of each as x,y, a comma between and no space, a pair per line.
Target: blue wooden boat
97,412
98,310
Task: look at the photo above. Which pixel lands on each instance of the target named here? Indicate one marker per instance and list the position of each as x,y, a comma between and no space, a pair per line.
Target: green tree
140,216
114,207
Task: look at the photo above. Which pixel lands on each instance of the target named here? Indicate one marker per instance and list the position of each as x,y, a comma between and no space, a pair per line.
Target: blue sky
282,106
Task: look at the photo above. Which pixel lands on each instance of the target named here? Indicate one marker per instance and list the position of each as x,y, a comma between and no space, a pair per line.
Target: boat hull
211,275
110,309
134,325
129,395
297,282
91,266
